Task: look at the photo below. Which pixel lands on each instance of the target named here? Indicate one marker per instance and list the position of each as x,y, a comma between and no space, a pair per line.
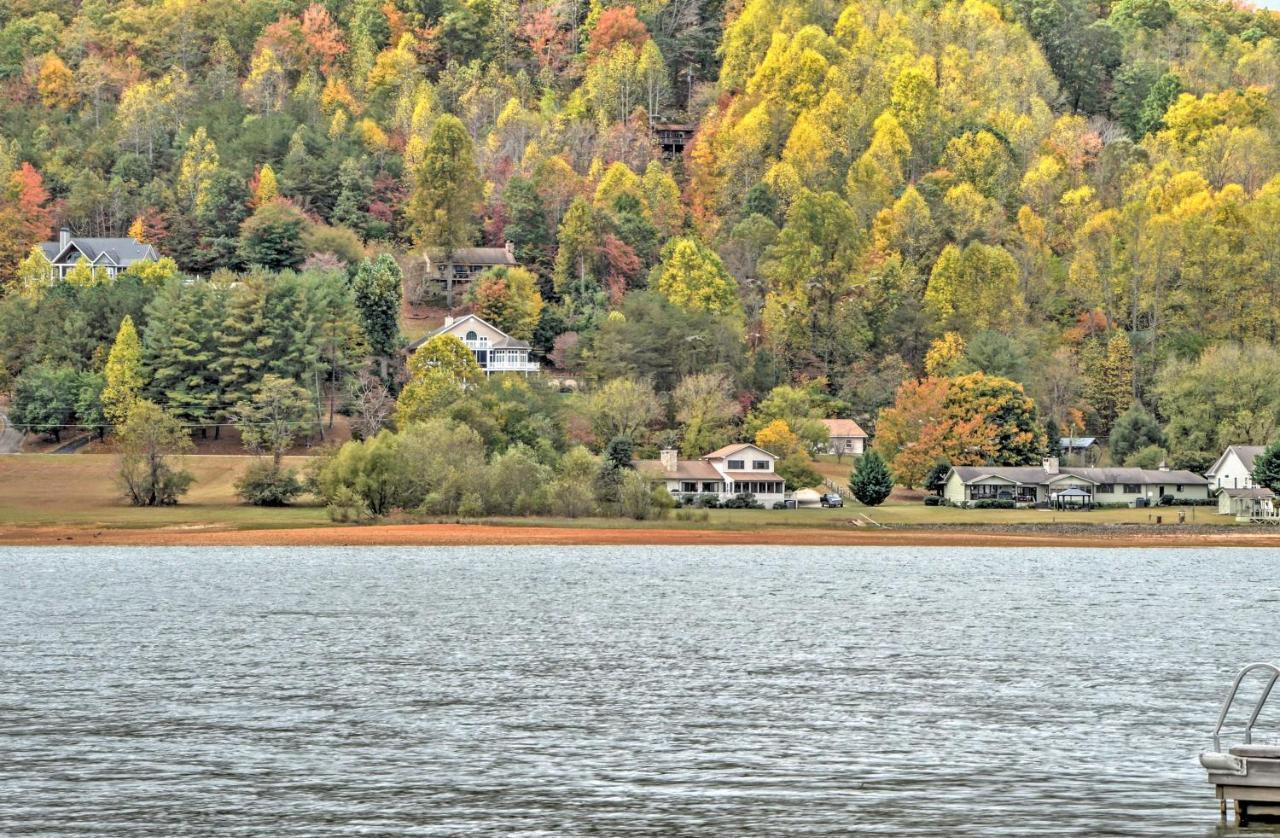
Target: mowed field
80,490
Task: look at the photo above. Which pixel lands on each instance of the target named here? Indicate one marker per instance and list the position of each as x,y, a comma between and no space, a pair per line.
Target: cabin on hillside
1080,450
465,264
673,137
112,255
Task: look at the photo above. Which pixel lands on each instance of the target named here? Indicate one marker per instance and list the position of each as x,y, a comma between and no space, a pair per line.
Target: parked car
832,501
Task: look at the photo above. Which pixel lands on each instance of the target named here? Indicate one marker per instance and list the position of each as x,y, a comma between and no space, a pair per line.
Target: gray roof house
1234,469
466,263
1048,481
113,255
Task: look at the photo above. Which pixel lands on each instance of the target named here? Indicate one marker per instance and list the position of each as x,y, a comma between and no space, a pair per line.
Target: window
735,465
710,487
1106,488
1132,488
760,465
1179,488
472,336
689,487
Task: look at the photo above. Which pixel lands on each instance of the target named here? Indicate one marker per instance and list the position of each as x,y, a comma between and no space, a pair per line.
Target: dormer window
760,465
736,465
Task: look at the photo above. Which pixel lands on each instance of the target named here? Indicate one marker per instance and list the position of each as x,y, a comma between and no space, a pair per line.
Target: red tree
616,25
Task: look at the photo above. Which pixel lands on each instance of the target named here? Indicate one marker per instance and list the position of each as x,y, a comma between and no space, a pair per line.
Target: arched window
472,336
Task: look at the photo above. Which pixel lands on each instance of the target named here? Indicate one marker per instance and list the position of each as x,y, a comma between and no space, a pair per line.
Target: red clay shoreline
458,534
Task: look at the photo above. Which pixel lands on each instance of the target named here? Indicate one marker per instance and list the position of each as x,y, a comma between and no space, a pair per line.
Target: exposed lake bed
737,689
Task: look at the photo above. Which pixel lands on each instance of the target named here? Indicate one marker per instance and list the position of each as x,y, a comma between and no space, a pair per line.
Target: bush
707,501
932,500
743,500
471,506
992,503
692,515
262,484
345,506
1175,501
635,495
779,504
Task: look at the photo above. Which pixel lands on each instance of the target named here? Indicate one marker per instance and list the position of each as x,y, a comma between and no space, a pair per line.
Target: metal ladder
1247,730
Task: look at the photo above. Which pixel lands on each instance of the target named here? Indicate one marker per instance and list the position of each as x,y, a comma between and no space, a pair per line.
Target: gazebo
1072,498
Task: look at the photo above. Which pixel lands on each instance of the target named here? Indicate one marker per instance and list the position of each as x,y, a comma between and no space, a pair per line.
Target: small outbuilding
1246,503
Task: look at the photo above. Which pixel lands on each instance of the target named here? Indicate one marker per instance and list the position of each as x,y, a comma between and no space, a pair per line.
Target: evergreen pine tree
1266,468
377,289
871,481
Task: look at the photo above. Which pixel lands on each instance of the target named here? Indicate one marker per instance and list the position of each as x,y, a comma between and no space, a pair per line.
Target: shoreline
482,534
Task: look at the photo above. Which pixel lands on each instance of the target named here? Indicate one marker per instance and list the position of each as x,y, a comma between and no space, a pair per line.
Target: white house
495,350
845,437
1234,469
111,255
1080,486
730,471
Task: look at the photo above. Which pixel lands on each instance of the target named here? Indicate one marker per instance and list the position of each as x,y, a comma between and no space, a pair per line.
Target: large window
760,465
1106,488
688,487
1132,488
735,465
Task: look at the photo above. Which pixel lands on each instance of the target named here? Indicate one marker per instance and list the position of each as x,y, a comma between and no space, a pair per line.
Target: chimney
448,320
511,251
64,237
670,458
1050,465
1164,466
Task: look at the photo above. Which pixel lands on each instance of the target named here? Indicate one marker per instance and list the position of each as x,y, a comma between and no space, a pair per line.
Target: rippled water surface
701,691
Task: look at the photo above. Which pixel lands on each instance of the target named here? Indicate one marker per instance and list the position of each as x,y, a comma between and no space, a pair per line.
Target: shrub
992,503
707,501
472,506
635,495
743,500
1166,500
346,506
262,484
932,500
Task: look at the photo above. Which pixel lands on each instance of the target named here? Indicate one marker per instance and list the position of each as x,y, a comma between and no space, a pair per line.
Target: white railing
480,344
512,366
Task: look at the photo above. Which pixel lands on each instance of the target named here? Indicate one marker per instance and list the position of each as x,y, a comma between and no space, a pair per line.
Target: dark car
832,501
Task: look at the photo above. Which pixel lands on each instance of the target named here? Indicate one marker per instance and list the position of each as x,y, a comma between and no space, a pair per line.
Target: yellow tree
55,83
123,373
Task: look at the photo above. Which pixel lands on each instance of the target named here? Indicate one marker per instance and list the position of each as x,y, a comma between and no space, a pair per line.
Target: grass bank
60,498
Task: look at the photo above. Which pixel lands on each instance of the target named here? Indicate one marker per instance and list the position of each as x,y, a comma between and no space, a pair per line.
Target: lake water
696,691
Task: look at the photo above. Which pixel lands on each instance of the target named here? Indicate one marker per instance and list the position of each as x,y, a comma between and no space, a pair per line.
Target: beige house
1049,483
845,437
730,471
1246,503
495,350
465,264
1234,469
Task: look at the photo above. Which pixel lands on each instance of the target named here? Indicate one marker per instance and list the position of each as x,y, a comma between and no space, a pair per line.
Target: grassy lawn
80,490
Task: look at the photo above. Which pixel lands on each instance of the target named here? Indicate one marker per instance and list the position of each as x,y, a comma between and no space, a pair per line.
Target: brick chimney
670,458
64,237
1050,465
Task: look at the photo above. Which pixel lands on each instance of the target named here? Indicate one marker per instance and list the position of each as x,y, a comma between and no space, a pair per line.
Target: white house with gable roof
733,470
495,350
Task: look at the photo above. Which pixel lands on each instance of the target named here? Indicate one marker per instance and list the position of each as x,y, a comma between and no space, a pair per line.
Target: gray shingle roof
1035,475
122,252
